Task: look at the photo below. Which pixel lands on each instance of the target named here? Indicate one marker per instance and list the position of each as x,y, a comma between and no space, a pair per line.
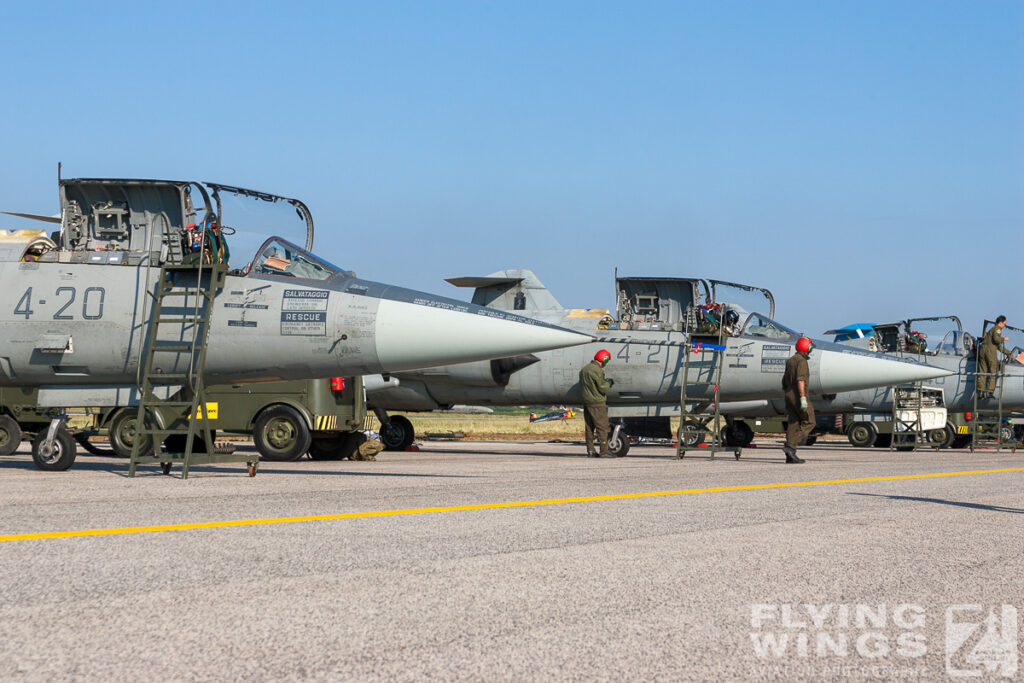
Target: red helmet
602,356
804,345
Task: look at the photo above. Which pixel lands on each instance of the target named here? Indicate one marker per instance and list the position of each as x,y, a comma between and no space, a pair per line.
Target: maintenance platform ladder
184,301
987,420
908,432
703,363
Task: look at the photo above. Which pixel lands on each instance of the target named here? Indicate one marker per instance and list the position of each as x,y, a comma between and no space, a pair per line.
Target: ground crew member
595,411
799,411
988,359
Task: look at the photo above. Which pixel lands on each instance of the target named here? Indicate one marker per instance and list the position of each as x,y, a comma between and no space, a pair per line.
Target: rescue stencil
304,313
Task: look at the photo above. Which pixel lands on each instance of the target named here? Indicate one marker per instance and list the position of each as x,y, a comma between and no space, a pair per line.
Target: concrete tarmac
825,578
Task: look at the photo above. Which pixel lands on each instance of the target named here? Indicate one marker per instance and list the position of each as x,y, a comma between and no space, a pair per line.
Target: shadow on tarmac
940,501
121,470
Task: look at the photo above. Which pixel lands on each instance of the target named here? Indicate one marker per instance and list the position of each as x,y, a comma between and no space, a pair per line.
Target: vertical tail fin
510,290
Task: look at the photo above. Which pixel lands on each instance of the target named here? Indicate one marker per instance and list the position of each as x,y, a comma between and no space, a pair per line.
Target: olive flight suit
800,423
988,358
595,411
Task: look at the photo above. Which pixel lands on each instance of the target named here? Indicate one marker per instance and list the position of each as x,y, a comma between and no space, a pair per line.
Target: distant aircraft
955,353
656,318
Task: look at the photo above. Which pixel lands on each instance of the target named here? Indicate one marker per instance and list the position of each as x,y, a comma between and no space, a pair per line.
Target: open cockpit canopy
690,305
119,221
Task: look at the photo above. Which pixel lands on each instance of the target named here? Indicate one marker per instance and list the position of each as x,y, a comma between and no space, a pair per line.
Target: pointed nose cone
852,370
431,331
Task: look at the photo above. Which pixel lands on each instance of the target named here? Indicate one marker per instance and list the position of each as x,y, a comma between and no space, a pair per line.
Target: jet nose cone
437,331
849,371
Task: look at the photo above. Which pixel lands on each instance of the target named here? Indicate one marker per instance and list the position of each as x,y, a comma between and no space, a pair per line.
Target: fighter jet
78,304
955,352
659,323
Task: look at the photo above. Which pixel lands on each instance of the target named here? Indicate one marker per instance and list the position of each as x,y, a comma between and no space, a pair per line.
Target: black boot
791,457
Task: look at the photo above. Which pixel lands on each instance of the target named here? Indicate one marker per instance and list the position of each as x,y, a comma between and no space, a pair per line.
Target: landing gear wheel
59,455
325,448
618,445
1006,434
941,437
123,431
334,446
83,441
691,434
281,434
10,435
175,443
398,435
862,434
739,434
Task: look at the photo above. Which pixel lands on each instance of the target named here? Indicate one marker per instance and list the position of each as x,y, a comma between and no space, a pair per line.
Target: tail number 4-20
91,301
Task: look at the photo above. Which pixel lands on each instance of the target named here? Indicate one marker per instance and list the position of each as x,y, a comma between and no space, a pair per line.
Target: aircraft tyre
961,441
280,434
333,446
740,434
691,434
123,430
175,443
618,445
59,456
862,434
1006,433
941,437
398,435
10,435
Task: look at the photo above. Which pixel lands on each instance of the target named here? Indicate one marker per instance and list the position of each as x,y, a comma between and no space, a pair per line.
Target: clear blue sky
864,160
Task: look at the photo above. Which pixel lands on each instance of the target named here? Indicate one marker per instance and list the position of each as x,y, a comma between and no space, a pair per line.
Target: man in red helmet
799,411
595,412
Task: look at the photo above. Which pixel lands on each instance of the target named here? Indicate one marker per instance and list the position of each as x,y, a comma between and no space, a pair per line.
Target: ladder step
179,319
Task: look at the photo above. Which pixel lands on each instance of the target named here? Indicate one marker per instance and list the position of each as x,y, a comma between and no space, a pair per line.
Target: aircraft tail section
510,290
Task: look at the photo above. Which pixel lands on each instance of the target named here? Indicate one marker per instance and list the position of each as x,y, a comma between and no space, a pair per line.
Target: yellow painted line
481,506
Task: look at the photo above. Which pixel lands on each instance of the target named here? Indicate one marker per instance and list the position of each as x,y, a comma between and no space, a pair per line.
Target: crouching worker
799,411
595,410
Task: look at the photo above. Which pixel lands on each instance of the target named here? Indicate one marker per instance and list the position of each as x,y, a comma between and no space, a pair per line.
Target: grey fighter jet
76,306
955,352
657,323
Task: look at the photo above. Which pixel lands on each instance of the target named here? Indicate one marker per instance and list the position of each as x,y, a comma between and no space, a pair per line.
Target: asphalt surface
683,586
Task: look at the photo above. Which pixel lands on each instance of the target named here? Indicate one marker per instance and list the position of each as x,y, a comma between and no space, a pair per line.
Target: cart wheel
252,470
165,467
10,435
281,434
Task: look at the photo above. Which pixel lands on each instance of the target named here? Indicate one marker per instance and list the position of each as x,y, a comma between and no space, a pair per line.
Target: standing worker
595,411
988,359
799,411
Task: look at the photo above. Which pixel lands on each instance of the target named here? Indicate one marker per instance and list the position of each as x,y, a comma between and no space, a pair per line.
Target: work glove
803,403
611,382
